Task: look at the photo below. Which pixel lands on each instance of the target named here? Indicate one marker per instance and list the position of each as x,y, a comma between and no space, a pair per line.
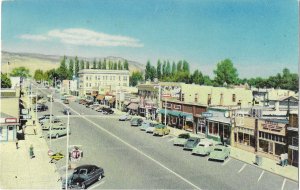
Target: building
10,114
92,80
293,139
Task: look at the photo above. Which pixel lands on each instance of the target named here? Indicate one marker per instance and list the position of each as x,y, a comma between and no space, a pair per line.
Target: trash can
258,160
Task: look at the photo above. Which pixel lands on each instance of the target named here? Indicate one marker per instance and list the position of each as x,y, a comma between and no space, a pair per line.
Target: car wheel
83,186
100,177
56,136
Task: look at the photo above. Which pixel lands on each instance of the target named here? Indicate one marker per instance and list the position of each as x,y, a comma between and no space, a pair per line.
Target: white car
125,117
150,129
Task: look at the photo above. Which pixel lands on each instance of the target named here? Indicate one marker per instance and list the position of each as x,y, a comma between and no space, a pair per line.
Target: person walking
34,130
286,156
31,153
282,158
17,143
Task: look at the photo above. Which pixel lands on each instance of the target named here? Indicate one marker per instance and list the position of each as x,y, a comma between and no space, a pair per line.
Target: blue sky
260,37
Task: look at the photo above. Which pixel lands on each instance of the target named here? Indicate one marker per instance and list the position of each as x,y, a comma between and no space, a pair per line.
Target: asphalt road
133,159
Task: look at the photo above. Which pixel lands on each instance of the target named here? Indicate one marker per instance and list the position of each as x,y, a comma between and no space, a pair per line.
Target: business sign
271,126
57,156
171,91
25,111
207,114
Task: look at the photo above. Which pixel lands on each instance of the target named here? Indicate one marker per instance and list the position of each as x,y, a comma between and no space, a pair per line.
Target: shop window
215,129
226,131
241,137
252,140
233,98
279,149
235,137
182,97
210,126
263,145
221,132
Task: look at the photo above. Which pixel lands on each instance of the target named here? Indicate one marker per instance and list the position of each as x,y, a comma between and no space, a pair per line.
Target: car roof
206,143
87,166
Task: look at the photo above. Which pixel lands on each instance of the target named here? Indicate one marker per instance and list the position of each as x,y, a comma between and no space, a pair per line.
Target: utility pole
67,151
51,119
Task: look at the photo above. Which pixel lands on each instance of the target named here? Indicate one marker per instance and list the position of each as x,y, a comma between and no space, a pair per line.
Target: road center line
262,173
283,183
242,168
139,151
226,161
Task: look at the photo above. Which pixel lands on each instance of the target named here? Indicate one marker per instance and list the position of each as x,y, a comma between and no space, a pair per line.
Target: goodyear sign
57,156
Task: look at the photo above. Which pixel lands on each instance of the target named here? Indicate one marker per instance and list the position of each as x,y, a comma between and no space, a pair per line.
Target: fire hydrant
31,153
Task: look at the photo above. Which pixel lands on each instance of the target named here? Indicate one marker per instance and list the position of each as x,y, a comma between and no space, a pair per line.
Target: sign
272,126
10,120
25,111
50,152
207,114
75,154
57,156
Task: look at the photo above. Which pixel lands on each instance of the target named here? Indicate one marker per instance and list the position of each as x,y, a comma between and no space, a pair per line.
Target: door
271,145
11,131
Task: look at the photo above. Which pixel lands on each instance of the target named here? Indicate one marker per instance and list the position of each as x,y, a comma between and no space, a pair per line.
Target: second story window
182,97
209,99
87,78
196,97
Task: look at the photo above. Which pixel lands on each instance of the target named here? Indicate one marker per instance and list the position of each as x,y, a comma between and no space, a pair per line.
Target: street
133,159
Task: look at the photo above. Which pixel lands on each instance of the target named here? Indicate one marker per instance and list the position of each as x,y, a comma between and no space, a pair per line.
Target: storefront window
215,129
210,127
241,137
221,132
264,145
252,141
226,131
246,139
279,149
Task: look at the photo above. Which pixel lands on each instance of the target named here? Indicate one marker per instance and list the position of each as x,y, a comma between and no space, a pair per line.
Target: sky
260,37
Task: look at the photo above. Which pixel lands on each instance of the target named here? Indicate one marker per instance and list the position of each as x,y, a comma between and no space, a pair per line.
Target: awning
100,97
163,111
175,113
133,106
126,102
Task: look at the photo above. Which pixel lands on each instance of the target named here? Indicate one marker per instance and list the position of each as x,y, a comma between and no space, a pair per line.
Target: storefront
271,138
8,128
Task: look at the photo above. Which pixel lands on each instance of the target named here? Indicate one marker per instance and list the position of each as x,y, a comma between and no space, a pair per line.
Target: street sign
75,154
57,156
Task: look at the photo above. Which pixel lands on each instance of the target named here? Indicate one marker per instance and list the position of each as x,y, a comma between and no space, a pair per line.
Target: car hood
180,140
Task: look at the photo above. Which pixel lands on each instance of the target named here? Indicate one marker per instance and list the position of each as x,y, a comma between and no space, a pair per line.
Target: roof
85,166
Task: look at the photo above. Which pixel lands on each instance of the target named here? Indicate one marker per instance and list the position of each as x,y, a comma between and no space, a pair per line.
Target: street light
51,118
67,152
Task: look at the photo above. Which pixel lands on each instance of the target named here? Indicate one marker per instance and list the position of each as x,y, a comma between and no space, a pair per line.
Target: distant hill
46,62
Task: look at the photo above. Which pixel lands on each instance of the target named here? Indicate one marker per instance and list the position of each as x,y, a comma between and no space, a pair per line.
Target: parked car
47,120
203,148
58,131
107,111
84,176
161,130
94,105
191,143
66,101
40,107
181,139
147,124
136,121
89,103
47,125
46,116
66,110
125,117
219,153
81,101
150,128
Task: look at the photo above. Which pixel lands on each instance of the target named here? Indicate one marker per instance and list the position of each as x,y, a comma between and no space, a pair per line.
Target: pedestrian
282,158
34,130
31,153
17,143
286,159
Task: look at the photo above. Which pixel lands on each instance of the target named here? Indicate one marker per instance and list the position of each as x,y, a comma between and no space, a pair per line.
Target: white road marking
165,136
172,139
283,183
226,161
242,168
139,151
262,173
102,182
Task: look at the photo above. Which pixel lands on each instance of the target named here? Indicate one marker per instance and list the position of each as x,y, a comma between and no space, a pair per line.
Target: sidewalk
270,165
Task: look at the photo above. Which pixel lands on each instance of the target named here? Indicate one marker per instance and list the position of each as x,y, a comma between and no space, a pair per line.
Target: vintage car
203,148
161,130
220,153
191,143
47,125
66,111
40,107
147,124
181,139
47,120
58,131
136,121
46,116
107,111
150,129
66,101
84,176
125,117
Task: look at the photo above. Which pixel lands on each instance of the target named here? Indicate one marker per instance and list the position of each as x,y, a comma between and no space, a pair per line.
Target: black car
66,110
107,111
46,116
84,176
40,107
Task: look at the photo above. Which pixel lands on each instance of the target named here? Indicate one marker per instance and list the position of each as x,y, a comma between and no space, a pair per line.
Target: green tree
158,69
197,77
115,66
5,81
76,66
81,64
148,71
38,75
71,68
186,66
120,67
153,73
126,66
179,66
20,72
104,64
94,64
168,69
99,65
173,68
226,72
207,81
62,71
135,77
164,73
87,65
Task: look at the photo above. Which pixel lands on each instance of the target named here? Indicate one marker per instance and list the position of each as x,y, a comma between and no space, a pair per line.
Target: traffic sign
57,156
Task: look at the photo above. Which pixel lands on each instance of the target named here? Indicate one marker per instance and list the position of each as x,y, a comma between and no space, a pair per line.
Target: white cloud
84,37
34,37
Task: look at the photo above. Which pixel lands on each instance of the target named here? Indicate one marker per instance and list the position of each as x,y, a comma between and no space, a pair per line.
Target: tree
158,69
197,77
168,69
153,73
76,66
226,72
71,68
207,81
126,67
173,68
179,66
186,66
5,81
94,64
115,66
20,72
164,73
120,67
135,77
87,65
38,75
62,71
148,70
81,64
99,65
104,64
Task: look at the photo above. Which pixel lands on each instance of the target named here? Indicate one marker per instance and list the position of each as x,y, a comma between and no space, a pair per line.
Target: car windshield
191,140
218,149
